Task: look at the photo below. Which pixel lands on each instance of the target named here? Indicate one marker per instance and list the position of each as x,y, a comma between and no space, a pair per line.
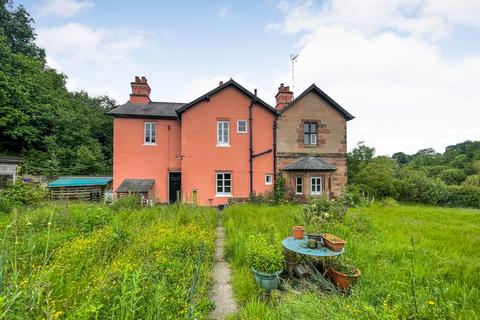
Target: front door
174,186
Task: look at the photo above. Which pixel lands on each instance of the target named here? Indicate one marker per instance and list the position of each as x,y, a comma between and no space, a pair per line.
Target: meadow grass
86,261
402,250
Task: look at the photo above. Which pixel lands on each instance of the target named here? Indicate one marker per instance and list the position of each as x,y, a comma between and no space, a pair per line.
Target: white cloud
62,8
223,12
97,60
380,60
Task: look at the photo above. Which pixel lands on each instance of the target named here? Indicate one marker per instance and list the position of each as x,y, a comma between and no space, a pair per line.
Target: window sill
268,184
315,193
309,145
223,145
298,194
242,132
149,144
223,196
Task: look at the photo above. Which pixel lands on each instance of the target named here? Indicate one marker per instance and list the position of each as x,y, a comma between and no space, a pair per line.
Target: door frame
168,184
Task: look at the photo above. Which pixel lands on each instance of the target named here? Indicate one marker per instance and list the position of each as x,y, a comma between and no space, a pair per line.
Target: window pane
227,176
305,127
227,182
228,189
153,135
313,127
219,189
313,139
306,138
225,132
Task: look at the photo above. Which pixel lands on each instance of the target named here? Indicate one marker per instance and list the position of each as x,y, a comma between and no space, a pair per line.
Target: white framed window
224,183
310,133
298,185
242,126
315,185
150,133
268,179
223,133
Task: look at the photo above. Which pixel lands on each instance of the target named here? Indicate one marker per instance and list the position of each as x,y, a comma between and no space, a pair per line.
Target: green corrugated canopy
80,181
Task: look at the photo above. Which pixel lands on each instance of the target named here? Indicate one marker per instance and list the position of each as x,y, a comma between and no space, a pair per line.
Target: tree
452,176
357,156
401,157
377,177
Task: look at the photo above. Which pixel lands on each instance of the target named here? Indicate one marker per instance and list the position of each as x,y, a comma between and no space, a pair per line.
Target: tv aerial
293,60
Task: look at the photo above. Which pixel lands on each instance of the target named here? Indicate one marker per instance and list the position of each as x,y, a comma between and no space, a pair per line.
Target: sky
408,70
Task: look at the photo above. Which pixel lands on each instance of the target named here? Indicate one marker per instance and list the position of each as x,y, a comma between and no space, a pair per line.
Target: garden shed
8,170
86,188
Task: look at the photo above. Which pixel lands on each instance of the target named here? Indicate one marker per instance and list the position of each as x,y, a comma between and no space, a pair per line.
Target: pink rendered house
219,146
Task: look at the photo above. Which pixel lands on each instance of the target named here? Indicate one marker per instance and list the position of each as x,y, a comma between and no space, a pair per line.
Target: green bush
377,177
129,202
415,186
279,189
452,176
265,255
462,196
20,194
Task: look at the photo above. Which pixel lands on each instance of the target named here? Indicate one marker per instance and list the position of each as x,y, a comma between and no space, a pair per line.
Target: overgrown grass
445,269
86,261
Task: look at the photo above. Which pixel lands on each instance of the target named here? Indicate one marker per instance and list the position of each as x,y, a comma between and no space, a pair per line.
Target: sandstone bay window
310,133
224,183
315,185
298,185
150,133
223,133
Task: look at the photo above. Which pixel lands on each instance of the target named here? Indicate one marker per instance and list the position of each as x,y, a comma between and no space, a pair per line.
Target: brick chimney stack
283,97
140,91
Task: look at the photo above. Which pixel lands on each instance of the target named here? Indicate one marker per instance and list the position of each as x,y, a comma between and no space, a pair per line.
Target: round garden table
301,248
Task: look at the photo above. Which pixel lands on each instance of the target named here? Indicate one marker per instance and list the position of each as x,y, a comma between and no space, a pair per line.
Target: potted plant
266,260
343,273
333,242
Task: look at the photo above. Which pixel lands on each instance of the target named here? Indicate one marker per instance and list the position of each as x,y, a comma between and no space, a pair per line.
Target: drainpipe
275,148
250,121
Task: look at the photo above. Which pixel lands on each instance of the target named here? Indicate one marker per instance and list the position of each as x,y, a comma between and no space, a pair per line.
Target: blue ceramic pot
268,281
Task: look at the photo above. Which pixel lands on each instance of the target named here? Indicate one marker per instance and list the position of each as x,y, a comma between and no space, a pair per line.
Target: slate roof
161,110
80,181
324,96
229,83
135,185
310,164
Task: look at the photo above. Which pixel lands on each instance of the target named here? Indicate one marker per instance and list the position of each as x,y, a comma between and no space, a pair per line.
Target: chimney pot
283,97
140,91
220,83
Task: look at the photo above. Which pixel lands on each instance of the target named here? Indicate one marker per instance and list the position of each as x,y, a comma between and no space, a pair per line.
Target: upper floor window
223,129
315,185
310,133
242,126
150,133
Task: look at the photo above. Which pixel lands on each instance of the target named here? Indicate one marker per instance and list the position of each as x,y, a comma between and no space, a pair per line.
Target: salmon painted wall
201,158
134,160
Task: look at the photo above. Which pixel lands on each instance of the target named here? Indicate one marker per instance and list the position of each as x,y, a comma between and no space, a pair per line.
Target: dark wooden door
174,186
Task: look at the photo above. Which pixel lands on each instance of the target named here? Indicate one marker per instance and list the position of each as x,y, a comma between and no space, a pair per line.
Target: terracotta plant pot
343,281
298,232
333,242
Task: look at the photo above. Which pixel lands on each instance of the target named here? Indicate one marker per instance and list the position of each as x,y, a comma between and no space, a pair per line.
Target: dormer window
310,133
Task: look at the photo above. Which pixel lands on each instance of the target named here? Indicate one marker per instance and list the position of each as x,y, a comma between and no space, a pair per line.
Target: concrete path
222,293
